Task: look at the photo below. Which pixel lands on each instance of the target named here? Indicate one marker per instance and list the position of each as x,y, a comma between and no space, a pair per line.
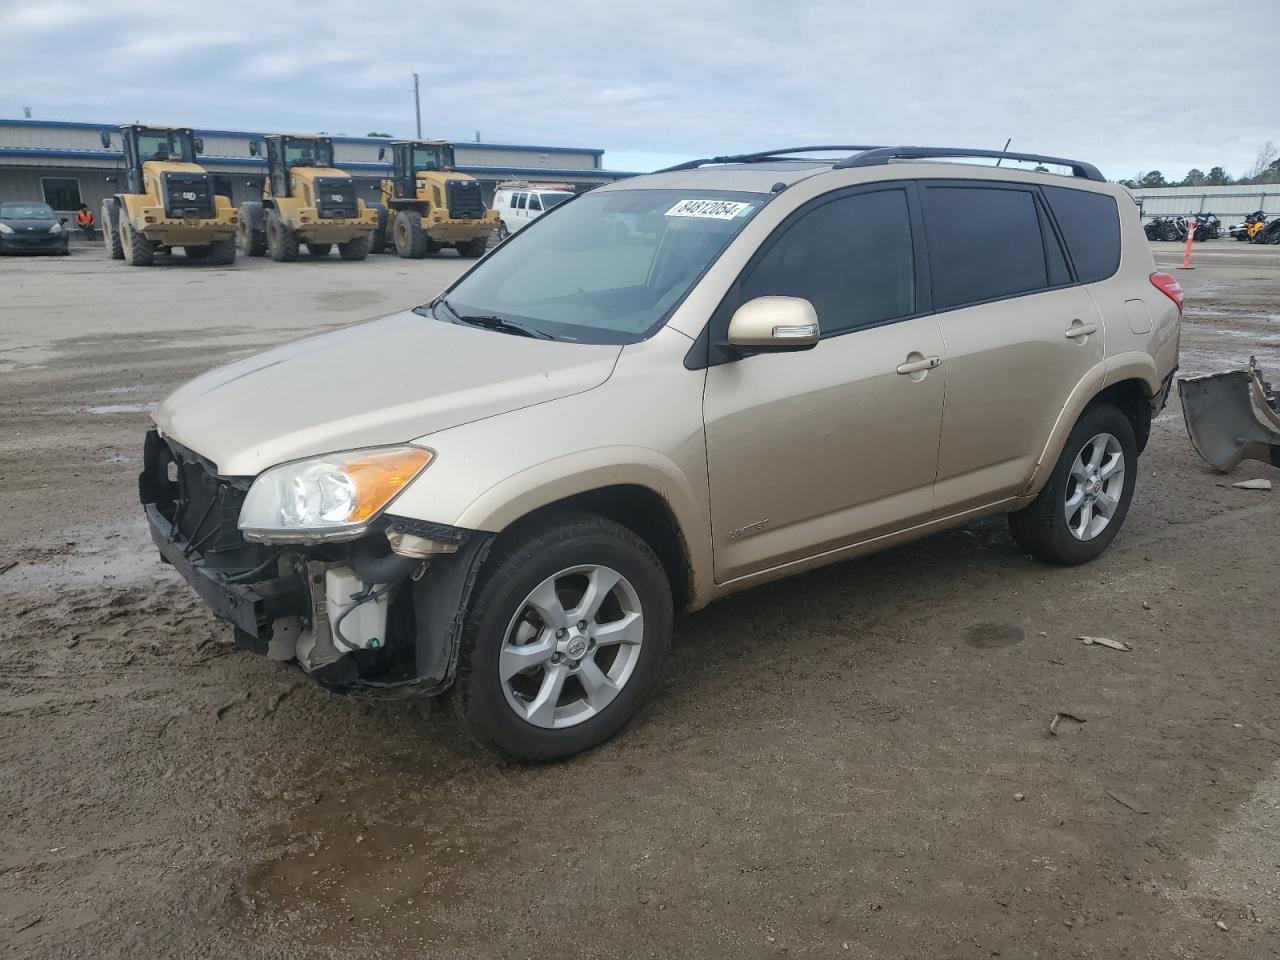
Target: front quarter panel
641,427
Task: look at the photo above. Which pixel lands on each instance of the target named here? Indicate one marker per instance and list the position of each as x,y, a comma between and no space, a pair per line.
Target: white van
519,203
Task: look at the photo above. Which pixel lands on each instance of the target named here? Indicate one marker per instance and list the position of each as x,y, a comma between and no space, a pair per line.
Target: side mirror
199,144
255,148
775,325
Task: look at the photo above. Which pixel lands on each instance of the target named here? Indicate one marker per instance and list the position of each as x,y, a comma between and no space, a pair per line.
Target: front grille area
188,195
464,199
202,508
335,198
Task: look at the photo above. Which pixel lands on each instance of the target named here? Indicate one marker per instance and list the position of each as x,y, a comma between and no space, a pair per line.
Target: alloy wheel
1094,487
571,646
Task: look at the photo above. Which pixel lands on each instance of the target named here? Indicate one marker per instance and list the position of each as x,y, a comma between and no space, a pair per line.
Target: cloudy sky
1131,86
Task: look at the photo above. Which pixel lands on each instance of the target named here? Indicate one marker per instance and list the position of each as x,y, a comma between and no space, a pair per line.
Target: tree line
1265,169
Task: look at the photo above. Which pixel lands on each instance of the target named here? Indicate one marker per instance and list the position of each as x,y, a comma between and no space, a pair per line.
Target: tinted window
534,202
520,201
61,194
851,258
984,243
1090,224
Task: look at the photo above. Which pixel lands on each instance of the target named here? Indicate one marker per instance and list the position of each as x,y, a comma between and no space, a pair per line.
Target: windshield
165,145
550,200
26,211
609,267
300,152
432,158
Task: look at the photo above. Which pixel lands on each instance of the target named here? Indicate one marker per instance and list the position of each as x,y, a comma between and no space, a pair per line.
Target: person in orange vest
84,219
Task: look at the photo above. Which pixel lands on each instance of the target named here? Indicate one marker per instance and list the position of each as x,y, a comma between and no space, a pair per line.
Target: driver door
812,451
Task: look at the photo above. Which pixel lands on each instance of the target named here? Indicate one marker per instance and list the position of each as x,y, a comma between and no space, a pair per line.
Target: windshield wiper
493,322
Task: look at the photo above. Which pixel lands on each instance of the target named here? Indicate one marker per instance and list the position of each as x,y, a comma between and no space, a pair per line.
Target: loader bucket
1230,418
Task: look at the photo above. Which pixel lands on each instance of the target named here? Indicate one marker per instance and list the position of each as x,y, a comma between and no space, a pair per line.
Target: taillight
1168,284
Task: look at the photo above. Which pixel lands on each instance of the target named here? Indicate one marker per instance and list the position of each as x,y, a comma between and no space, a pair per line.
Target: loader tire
281,241
111,230
138,250
319,249
473,248
199,251
253,242
378,242
357,248
411,240
222,252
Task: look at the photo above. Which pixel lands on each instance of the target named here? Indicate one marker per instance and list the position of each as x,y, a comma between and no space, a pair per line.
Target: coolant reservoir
365,627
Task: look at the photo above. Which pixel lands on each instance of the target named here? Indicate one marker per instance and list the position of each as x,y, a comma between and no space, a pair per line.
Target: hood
386,381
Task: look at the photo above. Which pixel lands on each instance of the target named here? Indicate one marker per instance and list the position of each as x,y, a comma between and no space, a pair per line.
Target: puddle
107,409
990,635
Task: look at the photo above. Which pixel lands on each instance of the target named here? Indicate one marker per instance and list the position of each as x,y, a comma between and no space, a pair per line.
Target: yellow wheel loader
427,205
305,201
169,201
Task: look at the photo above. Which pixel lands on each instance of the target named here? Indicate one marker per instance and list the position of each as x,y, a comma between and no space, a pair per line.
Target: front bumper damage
355,615
1232,417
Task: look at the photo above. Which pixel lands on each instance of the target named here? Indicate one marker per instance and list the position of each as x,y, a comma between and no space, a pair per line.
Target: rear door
1020,334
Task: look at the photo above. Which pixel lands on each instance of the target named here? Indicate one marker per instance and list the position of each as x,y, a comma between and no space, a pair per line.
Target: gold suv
661,392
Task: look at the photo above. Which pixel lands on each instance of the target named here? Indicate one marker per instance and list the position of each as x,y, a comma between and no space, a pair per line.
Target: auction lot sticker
708,209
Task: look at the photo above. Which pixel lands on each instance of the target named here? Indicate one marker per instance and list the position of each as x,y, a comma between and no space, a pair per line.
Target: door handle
1079,330
917,366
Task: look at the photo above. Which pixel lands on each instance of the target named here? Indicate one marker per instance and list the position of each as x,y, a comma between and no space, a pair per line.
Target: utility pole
417,105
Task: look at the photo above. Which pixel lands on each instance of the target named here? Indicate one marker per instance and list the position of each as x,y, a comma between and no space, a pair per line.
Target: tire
197,252
357,248
282,243
410,239
378,242
253,242
1169,233
222,252
111,230
138,250
1045,529
497,713
503,232
433,248
473,248
319,249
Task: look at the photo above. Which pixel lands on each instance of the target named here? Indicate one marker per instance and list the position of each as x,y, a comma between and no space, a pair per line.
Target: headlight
328,498
56,228
5,228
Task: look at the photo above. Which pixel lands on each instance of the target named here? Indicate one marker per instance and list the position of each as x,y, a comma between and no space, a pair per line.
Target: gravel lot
851,763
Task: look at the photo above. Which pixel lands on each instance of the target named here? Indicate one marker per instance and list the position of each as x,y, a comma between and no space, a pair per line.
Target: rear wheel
281,241
253,241
378,241
111,230
319,249
410,239
1083,505
138,250
564,639
198,252
357,248
222,252
472,248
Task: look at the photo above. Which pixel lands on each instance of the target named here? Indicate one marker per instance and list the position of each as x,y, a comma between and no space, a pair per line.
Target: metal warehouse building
1231,203
67,163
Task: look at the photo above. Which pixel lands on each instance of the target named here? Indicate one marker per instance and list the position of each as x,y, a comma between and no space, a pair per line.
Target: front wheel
473,248
319,249
357,248
564,639
1083,505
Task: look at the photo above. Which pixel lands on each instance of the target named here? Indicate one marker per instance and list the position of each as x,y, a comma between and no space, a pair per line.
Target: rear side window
984,244
851,258
1090,224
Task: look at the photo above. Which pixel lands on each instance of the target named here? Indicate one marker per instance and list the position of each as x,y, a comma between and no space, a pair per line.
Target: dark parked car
27,227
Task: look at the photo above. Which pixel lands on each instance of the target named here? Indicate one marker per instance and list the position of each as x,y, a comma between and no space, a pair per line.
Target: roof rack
762,157
873,156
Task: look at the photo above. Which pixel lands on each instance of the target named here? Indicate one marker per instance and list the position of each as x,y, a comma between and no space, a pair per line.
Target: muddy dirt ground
854,763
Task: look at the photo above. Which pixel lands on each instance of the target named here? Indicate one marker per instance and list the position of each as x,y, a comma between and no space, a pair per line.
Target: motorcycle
1163,228
1254,223
1208,227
